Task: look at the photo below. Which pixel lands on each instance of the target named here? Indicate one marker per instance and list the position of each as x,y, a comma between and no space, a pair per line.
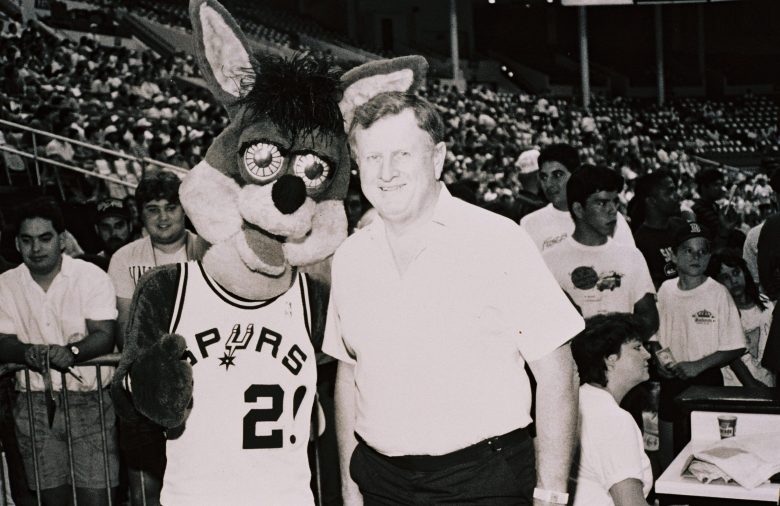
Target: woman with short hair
612,468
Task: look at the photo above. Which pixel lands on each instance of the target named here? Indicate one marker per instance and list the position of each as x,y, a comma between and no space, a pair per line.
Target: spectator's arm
688,370
123,310
346,407
743,374
11,349
99,340
556,417
646,312
628,493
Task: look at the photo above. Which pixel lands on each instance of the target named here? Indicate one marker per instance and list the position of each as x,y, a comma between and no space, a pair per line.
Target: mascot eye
312,169
263,160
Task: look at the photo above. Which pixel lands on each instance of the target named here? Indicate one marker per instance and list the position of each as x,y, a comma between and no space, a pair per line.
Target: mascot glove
162,382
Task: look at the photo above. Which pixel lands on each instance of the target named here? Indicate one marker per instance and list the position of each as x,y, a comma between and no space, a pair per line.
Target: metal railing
110,360
57,164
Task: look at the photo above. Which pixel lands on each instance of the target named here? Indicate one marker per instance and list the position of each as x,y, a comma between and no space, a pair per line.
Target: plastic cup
727,425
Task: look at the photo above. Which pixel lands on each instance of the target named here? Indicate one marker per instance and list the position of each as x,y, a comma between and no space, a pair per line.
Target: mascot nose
288,193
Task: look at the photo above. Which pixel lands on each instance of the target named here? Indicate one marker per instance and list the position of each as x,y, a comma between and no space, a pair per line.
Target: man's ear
578,210
63,237
610,360
18,246
439,156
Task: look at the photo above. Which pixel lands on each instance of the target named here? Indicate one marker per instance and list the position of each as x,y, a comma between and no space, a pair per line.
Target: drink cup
727,425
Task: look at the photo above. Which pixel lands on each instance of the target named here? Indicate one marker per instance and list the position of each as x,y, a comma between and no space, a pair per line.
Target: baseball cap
527,162
112,207
687,231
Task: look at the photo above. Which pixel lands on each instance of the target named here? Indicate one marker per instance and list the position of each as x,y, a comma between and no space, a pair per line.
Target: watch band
551,496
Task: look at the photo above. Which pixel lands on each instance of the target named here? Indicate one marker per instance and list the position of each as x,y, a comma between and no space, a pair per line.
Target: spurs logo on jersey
254,379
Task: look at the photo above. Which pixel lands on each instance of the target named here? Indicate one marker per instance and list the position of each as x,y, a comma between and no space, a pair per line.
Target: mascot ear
221,49
361,84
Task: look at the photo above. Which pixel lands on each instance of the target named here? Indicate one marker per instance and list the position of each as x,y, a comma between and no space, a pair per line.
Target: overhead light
491,1
511,74
503,68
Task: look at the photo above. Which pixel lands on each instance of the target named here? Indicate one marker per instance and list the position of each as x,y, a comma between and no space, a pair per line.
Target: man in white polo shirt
55,312
435,308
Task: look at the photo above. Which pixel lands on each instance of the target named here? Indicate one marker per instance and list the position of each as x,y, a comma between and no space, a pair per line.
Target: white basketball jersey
254,370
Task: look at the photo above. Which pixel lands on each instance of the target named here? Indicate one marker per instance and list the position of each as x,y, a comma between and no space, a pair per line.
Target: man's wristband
551,496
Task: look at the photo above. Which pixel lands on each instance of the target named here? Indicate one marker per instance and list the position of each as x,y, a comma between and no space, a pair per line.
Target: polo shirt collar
443,213
66,270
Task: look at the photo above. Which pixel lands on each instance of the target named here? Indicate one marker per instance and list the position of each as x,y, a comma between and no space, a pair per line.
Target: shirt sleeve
7,325
620,453
333,342
100,297
730,335
643,283
542,317
120,276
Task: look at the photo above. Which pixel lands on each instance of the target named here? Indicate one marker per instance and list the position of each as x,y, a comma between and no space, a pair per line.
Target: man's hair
157,185
41,207
396,102
603,336
565,154
590,179
652,182
708,176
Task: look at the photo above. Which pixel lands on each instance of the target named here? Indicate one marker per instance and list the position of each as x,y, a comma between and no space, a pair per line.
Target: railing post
31,421
35,160
103,432
68,437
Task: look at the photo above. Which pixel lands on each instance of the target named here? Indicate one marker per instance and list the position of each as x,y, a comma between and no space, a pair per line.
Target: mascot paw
162,382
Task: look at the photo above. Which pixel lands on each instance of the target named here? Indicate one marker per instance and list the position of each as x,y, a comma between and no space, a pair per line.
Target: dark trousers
503,475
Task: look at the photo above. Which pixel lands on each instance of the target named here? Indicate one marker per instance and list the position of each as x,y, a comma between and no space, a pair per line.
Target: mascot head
268,195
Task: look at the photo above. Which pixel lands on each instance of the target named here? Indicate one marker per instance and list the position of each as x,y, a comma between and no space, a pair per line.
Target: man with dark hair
553,223
661,219
113,227
718,224
750,248
56,311
599,274
167,242
431,280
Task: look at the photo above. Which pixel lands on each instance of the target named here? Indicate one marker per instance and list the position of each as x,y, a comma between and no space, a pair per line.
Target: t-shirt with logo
656,245
697,323
548,227
609,278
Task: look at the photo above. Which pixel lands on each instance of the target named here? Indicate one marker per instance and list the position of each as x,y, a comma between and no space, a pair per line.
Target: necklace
186,249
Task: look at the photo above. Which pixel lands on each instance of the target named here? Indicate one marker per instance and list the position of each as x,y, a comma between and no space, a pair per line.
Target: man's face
713,191
399,167
599,213
164,221
114,232
665,198
553,177
692,256
40,245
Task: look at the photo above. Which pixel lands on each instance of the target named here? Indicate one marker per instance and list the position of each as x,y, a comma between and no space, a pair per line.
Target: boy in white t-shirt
600,275
699,325
553,223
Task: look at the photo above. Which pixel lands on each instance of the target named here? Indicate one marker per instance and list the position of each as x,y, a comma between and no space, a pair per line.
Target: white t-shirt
611,449
439,351
548,226
697,323
755,324
132,260
610,278
81,291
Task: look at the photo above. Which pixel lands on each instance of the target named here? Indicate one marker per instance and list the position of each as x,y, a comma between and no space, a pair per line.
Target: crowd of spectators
130,101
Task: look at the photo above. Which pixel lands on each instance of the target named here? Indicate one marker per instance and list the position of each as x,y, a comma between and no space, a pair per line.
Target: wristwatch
551,496
75,350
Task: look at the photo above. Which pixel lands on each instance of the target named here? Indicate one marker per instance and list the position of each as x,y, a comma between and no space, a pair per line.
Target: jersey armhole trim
182,272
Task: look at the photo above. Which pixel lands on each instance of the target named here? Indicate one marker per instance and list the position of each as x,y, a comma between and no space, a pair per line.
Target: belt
465,455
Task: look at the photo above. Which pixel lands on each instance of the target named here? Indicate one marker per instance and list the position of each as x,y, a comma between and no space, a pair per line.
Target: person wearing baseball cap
699,328
112,226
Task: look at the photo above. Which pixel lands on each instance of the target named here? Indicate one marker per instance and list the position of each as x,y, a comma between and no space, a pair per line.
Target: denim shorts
52,444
